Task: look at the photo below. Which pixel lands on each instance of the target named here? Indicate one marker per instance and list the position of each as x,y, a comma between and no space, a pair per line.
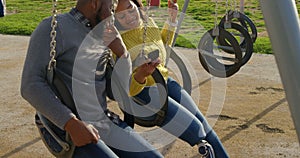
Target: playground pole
181,17
242,4
282,22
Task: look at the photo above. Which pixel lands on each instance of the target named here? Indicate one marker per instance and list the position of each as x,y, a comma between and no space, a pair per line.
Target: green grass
24,15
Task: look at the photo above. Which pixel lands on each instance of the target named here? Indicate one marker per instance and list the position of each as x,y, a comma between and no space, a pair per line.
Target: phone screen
153,55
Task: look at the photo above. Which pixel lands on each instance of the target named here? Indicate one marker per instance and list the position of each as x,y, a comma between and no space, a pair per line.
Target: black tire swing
126,103
247,33
246,43
244,20
227,44
216,62
211,61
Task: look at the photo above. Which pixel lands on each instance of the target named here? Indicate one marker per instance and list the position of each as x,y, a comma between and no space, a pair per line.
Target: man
77,35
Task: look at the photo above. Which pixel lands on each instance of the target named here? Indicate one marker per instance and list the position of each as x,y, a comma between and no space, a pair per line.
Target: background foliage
24,15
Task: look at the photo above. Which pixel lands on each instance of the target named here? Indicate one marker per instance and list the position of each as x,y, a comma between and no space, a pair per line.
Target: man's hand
81,133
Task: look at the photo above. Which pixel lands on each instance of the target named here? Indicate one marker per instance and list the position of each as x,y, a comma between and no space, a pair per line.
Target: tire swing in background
213,59
239,25
219,65
245,21
245,42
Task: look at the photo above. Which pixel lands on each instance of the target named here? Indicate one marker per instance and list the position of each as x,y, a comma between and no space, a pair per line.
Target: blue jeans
104,151
1,9
184,119
101,149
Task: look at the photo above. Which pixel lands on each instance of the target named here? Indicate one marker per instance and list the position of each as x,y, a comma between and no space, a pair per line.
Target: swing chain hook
227,23
142,56
52,62
146,21
216,28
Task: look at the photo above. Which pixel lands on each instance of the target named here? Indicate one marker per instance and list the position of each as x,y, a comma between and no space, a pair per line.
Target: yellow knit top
155,39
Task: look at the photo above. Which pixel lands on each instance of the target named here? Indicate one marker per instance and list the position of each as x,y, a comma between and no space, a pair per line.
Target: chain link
52,62
216,13
235,5
146,20
216,28
226,11
232,5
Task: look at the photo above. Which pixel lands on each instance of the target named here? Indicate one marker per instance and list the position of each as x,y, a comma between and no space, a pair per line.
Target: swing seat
158,117
56,140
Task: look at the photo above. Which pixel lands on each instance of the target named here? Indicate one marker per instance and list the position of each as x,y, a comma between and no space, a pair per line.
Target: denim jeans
120,133
184,119
1,9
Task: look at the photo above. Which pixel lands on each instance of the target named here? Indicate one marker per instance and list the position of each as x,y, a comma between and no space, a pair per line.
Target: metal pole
4,5
183,11
282,22
242,4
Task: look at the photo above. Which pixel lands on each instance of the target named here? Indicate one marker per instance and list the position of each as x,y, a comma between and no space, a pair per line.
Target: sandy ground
255,120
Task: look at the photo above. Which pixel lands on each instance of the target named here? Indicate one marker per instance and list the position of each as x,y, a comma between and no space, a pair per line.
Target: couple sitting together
79,63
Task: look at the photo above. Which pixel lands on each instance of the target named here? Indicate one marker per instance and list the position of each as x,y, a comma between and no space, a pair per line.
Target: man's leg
94,150
125,142
1,9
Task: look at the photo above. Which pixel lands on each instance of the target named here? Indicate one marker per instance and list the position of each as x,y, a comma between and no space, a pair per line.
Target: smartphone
153,55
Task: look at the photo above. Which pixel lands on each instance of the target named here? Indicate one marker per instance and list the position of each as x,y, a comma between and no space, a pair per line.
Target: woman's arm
170,25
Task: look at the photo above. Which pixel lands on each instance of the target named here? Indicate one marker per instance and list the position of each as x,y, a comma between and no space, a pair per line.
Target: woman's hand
145,70
173,10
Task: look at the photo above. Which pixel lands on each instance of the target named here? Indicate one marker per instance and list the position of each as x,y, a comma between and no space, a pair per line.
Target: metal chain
216,13
216,28
227,23
232,5
235,5
52,62
226,10
145,21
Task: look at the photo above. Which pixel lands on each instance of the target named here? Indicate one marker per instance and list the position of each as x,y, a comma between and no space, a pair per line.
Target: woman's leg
178,120
177,93
182,123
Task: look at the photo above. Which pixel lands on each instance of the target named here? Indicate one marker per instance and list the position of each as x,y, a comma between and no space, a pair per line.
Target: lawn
24,15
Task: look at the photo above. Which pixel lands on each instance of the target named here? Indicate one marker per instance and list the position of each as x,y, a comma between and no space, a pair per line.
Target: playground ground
255,120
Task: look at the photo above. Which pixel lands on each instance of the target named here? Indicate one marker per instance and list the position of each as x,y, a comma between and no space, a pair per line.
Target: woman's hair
140,6
138,3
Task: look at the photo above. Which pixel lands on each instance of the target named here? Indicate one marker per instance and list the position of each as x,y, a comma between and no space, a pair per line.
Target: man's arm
36,90
34,86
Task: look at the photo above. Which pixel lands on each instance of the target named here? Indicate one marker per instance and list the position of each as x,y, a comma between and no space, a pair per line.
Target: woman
130,20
